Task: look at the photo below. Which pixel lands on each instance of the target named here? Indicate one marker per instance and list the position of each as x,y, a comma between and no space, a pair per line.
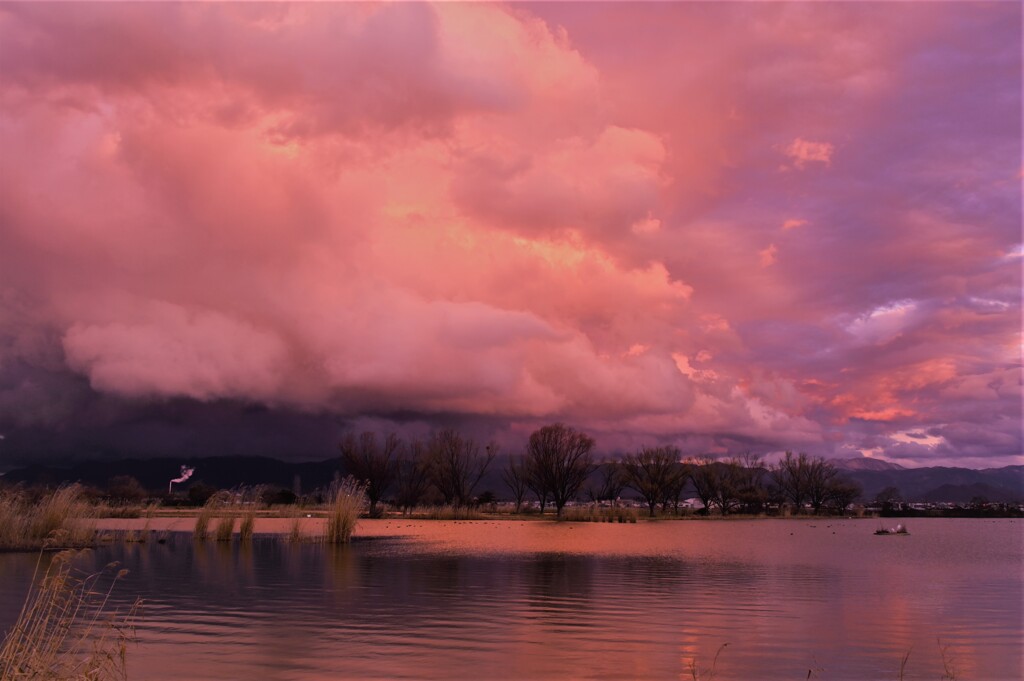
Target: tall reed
60,519
295,530
347,501
65,630
202,529
225,528
245,528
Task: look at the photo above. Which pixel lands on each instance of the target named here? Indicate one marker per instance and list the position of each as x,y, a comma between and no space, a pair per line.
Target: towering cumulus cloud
737,227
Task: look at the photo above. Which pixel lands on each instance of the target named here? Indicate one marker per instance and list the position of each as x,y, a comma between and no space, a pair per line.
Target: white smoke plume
186,473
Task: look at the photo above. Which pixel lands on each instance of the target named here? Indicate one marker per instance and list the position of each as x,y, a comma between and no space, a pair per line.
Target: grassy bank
59,519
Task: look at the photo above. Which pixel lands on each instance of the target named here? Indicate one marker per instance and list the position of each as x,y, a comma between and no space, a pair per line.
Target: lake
544,600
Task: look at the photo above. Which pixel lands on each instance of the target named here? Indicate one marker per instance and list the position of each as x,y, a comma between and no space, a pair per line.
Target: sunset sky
728,226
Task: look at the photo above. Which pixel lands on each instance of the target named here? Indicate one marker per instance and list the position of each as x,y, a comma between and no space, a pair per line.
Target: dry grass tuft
225,528
60,519
295,530
202,529
347,501
245,528
65,630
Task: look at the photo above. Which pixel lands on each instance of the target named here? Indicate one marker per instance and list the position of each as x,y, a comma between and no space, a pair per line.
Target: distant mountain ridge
931,484
863,463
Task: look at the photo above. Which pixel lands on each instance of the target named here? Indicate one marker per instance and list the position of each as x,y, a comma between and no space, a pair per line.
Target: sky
247,228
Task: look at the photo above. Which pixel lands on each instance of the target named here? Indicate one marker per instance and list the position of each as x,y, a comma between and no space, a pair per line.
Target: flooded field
545,600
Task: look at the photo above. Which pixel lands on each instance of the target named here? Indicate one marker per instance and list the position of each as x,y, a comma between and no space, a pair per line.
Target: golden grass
202,528
65,630
105,510
295,530
245,528
343,511
225,528
61,515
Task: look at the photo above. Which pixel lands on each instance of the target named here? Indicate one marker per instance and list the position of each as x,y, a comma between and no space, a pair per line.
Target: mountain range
928,484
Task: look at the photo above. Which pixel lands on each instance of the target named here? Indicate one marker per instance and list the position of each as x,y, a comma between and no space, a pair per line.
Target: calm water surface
518,600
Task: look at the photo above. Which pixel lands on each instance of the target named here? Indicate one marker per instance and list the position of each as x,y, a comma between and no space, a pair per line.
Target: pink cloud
803,152
519,213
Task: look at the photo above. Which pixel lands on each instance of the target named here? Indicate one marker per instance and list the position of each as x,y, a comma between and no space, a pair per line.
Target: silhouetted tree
199,493
126,489
560,456
653,472
515,475
456,465
412,475
822,478
372,463
705,480
748,473
802,479
790,476
610,481
841,494
889,498
677,485
536,482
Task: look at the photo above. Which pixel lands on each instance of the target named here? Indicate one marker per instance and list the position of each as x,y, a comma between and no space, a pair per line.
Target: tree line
558,465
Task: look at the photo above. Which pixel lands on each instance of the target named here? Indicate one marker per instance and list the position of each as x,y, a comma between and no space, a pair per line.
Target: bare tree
611,480
802,479
748,481
535,480
790,477
456,465
821,477
371,463
706,480
560,457
677,485
412,475
516,474
889,498
841,494
652,472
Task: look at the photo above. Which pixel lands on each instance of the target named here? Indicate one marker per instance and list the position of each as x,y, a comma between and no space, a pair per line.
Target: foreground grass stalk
65,630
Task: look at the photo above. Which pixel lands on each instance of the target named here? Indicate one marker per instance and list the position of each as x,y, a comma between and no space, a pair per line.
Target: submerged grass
65,630
28,525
